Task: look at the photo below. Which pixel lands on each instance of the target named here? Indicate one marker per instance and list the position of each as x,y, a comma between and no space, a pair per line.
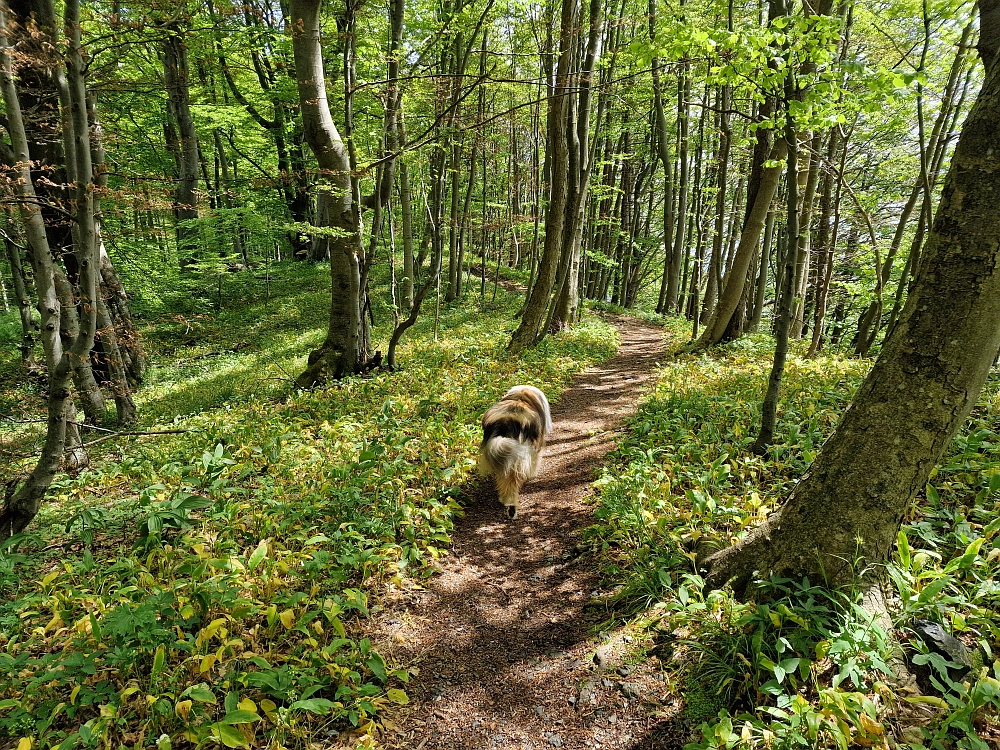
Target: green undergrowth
805,666
210,588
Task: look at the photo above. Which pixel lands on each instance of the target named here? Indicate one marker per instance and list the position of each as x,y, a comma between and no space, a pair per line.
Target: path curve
501,638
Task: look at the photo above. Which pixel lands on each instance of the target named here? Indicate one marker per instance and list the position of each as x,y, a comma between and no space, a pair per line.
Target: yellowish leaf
398,696
183,709
54,624
870,725
287,618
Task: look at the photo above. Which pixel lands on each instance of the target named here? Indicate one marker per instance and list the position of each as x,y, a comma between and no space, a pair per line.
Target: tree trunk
848,507
568,300
346,347
670,281
736,276
23,506
761,286
802,252
529,331
769,409
175,79
683,170
406,209
29,328
826,242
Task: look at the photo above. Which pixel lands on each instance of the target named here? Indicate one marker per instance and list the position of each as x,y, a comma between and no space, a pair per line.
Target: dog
514,432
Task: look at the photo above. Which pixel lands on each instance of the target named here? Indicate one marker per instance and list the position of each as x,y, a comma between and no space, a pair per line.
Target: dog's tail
511,462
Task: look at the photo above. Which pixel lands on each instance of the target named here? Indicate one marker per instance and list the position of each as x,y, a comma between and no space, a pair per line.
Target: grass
211,587
803,666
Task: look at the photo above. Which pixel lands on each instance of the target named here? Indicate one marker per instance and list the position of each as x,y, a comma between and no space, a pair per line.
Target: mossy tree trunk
849,506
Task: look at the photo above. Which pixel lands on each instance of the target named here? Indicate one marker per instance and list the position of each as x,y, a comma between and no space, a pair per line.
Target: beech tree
347,347
849,505
64,347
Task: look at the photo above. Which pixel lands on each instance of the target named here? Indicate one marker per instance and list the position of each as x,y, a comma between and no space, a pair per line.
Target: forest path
501,637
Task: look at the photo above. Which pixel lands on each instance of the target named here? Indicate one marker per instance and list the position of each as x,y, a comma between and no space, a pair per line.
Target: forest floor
503,642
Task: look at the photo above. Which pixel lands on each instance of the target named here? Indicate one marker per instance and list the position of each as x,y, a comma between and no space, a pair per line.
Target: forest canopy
267,263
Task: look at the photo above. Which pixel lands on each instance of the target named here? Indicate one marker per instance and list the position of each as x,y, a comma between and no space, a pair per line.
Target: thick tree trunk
175,78
346,347
89,392
567,302
557,157
849,505
23,506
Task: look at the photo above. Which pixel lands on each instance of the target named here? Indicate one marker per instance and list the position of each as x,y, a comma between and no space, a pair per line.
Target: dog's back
514,432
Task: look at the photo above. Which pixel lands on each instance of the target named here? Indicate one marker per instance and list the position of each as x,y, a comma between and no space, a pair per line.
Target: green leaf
239,716
903,547
229,736
200,693
159,658
313,705
377,665
258,555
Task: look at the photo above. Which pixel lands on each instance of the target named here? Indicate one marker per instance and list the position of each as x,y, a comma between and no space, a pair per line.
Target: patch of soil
502,637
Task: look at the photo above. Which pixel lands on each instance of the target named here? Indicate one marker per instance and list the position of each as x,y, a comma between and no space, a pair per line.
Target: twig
503,591
120,434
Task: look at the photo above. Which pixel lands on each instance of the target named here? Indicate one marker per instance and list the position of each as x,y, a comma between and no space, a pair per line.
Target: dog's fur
514,432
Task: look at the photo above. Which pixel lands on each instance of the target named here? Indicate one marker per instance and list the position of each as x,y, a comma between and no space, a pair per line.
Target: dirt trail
501,637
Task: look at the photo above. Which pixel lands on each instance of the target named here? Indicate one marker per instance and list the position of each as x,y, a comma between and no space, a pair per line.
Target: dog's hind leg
508,488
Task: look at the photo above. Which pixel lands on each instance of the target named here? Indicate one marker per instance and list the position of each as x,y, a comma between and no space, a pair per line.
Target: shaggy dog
514,432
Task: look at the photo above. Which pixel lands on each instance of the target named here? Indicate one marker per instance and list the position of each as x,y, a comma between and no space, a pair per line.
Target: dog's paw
511,511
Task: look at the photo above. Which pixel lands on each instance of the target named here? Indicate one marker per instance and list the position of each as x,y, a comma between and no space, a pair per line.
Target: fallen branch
125,434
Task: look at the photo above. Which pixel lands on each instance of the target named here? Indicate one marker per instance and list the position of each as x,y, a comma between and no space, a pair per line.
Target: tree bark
176,81
849,506
736,276
683,170
786,288
23,506
826,242
346,347
529,331
29,328
670,281
568,300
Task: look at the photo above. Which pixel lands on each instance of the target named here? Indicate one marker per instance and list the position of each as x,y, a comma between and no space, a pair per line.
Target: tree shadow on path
502,637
